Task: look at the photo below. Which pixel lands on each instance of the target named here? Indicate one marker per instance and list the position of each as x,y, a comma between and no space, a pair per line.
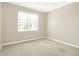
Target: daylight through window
27,21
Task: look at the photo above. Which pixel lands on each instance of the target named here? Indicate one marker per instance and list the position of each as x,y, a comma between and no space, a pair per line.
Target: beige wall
63,24
9,24
0,25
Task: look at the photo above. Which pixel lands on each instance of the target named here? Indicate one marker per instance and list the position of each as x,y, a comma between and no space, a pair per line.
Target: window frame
28,13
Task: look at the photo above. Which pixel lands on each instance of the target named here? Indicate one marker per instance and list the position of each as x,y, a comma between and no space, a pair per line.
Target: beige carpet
42,47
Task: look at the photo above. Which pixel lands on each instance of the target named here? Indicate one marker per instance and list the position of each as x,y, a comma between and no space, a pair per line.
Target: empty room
39,28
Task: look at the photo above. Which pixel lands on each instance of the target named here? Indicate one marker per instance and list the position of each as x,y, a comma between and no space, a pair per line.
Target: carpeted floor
42,47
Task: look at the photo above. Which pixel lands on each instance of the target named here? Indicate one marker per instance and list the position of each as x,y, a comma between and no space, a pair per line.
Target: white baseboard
69,44
11,43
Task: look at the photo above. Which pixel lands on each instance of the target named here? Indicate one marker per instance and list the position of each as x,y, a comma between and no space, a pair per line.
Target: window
27,21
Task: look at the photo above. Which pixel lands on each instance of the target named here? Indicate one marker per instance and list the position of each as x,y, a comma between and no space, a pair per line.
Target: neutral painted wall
9,24
63,24
0,24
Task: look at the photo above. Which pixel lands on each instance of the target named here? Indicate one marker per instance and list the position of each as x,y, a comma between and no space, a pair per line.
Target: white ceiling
42,6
